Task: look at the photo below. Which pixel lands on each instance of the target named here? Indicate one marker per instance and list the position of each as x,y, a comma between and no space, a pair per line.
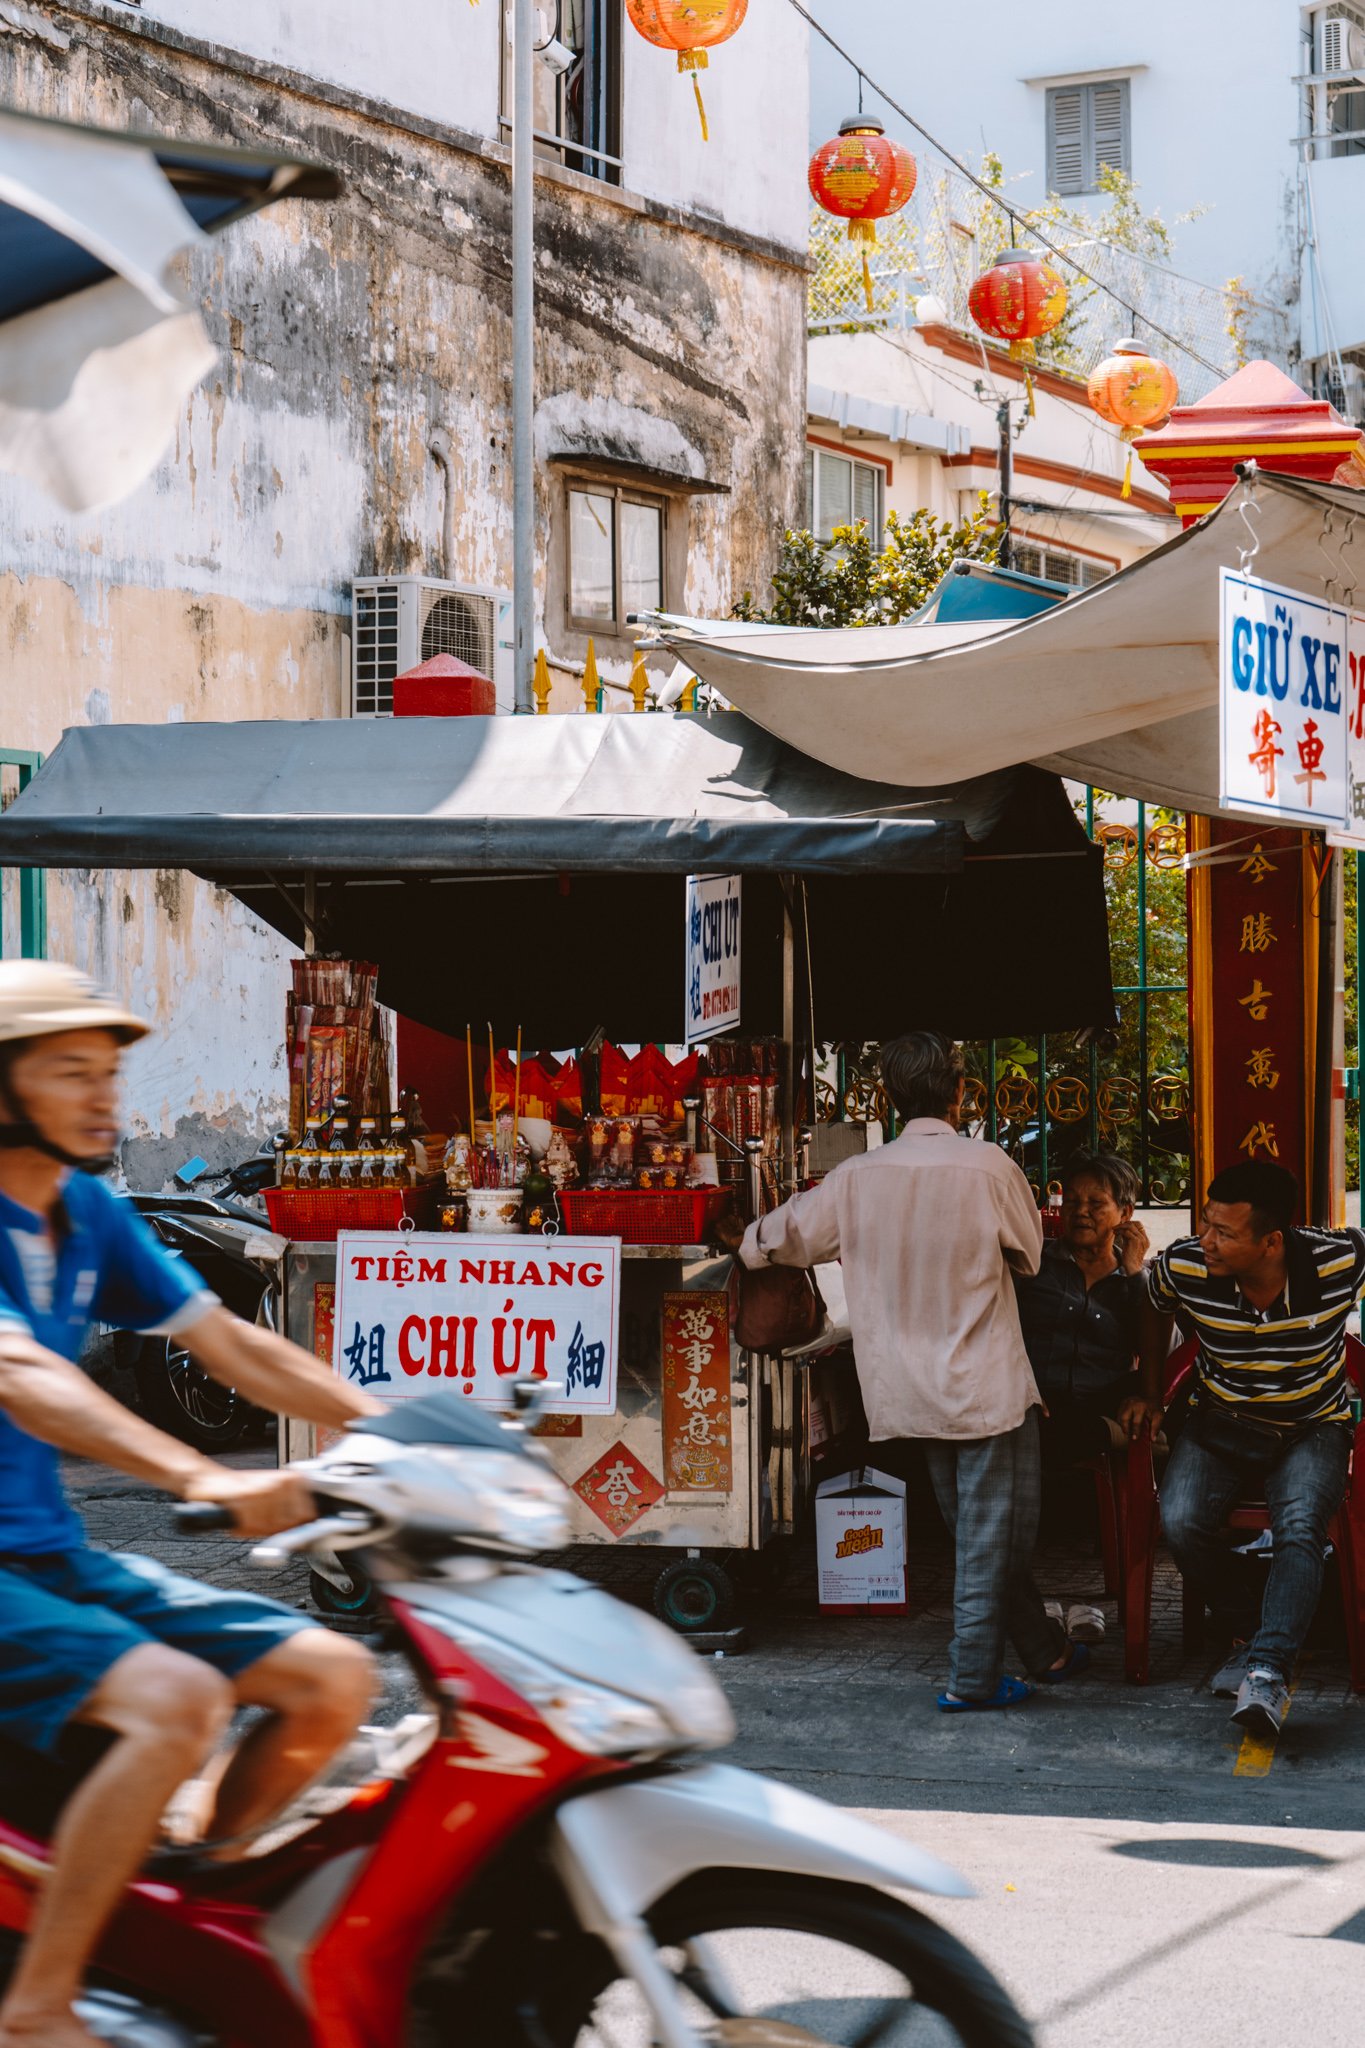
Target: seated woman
1079,1315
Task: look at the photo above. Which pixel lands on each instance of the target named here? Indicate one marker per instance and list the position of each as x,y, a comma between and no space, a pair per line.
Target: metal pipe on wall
523,354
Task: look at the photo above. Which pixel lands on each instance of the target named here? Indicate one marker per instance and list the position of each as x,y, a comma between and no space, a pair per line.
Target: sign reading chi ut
1284,678
413,1311
711,956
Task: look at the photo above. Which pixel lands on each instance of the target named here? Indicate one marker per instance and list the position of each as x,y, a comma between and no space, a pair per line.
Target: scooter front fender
621,1849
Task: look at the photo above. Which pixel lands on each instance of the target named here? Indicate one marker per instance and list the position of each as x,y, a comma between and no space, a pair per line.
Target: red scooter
542,1860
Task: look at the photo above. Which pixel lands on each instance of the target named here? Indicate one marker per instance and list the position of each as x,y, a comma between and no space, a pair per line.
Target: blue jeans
988,1491
1303,1490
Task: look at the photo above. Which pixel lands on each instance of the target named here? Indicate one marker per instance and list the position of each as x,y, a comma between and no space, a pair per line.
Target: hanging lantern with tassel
1018,299
861,177
691,27
1133,391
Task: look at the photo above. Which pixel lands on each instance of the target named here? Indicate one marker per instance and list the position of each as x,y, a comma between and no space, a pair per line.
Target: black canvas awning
531,868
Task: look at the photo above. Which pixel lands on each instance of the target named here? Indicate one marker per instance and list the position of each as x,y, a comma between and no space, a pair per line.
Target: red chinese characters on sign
1251,1040
1264,752
618,1488
696,1393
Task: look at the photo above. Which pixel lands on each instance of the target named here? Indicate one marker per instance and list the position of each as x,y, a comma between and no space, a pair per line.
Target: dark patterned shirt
1287,1361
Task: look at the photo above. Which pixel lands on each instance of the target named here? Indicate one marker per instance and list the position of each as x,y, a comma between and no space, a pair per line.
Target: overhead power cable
1016,218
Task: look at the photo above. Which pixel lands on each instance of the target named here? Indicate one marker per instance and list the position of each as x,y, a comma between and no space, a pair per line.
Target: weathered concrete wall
348,332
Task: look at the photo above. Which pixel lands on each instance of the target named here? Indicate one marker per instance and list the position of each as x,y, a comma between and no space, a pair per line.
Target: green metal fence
1127,1091
24,890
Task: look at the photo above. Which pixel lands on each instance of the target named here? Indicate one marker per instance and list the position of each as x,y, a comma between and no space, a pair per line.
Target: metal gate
1124,1091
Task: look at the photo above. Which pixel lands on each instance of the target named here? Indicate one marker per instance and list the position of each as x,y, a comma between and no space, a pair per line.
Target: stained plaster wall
348,331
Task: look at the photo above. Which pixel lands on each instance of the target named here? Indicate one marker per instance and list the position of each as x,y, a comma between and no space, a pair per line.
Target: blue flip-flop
1076,1663
1011,1692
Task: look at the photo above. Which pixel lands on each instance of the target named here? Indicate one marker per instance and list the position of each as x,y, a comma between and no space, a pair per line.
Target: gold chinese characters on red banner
1253,977
696,1409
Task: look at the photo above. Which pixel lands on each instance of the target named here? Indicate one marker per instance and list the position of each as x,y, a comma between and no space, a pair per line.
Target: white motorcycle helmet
38,999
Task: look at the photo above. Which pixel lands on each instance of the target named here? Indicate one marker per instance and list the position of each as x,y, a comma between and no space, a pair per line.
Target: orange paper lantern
691,27
1019,298
1133,391
861,177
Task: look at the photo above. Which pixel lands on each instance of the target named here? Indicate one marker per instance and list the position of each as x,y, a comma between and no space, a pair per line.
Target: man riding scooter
110,1641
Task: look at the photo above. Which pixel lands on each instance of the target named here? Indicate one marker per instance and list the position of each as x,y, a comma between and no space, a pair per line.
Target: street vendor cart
533,873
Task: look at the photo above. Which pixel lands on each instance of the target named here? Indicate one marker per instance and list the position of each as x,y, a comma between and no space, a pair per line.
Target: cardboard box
860,1543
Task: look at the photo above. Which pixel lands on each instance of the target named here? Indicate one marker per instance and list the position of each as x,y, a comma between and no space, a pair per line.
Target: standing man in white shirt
929,1229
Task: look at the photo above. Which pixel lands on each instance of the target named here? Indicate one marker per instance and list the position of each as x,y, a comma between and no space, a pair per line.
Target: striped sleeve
1160,1292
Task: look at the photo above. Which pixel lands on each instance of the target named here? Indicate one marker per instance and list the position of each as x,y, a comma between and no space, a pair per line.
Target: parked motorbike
546,1859
209,1220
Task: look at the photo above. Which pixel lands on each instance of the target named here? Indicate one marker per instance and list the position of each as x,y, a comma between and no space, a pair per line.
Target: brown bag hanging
774,1308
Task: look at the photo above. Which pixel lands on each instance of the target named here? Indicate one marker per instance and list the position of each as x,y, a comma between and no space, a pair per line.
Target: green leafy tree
847,582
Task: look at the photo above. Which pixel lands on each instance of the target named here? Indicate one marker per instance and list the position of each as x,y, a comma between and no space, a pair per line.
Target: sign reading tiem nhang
418,1311
1282,694
711,956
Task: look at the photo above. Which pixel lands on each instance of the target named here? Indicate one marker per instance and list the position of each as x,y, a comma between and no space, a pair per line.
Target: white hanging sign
711,956
1284,678
422,1309
1354,832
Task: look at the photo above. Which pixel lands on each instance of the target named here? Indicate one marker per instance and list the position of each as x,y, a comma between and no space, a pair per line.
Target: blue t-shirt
108,1268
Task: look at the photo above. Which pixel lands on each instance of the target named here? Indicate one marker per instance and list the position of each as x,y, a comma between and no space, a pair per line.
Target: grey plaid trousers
989,1491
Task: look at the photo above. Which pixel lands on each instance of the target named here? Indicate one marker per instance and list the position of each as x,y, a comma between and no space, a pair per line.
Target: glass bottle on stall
279,1145
309,1167
371,1155
402,1164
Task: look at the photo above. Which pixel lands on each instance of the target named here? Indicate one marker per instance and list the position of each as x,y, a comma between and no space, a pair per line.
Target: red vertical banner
696,1389
324,1320
1253,995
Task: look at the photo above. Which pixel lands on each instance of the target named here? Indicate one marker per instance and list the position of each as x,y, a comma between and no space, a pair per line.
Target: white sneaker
1053,1610
1085,1624
1262,1703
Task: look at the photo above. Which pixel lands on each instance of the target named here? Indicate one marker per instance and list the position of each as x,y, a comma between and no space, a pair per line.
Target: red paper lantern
1019,298
691,27
1133,391
862,177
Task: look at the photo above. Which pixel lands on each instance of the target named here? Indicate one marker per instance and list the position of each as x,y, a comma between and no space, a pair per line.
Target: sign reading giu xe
1283,702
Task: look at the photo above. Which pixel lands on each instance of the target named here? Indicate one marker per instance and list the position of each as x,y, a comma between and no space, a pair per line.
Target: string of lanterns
862,176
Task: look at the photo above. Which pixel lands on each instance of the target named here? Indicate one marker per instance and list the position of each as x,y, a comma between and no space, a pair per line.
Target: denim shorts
68,1616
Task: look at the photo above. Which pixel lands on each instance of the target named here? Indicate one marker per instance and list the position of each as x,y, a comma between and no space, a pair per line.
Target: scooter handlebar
202,1517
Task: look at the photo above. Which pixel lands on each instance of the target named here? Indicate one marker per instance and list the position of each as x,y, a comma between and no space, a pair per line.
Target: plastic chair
1140,1521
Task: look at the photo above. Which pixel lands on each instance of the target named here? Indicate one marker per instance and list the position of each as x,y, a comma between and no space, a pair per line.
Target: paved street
1142,1874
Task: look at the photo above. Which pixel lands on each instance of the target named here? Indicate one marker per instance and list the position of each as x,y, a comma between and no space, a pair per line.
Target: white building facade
900,420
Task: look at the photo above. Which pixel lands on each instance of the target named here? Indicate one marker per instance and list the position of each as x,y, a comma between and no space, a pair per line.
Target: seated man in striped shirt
1270,1416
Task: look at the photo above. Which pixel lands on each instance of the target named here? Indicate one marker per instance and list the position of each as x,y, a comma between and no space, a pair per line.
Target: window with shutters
840,491
1087,126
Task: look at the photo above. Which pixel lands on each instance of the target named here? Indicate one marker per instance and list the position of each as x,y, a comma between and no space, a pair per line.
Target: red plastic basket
315,1215
640,1215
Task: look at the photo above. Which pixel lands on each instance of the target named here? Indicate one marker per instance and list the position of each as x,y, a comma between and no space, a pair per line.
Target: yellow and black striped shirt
1286,1361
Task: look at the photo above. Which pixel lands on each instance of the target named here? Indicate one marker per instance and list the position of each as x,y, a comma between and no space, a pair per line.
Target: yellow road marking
1256,1755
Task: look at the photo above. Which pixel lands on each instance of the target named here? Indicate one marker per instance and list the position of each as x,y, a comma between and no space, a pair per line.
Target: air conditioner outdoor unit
398,621
1341,45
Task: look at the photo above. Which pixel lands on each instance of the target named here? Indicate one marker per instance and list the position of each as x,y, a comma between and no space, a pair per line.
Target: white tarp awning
1117,686
100,339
